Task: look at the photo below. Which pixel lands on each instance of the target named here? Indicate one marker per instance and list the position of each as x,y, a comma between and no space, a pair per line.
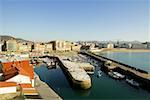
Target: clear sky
44,20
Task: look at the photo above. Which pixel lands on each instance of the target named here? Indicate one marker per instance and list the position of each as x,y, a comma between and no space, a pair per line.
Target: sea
103,87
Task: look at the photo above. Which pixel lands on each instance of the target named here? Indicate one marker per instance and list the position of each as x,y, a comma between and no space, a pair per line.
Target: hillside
6,38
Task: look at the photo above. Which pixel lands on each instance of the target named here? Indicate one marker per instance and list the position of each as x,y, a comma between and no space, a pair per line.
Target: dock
141,76
77,75
87,67
45,92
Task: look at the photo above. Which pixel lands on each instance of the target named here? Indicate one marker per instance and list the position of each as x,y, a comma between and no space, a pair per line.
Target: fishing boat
132,83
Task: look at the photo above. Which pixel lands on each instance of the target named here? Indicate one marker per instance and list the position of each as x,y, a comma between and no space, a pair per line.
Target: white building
110,45
8,87
1,44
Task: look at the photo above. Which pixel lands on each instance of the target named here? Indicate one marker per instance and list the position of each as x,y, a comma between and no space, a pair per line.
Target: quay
77,75
141,76
45,92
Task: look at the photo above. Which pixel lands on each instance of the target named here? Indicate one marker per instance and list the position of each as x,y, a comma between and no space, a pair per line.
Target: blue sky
44,20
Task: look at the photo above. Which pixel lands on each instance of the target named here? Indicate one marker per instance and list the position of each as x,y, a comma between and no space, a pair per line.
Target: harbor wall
144,82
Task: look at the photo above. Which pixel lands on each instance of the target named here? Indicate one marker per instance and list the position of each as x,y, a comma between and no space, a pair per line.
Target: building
39,47
75,47
61,45
107,45
20,72
139,46
8,87
24,47
1,46
11,45
148,44
110,45
17,74
48,47
125,45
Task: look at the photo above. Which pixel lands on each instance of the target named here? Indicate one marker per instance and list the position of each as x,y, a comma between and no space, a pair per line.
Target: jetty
76,73
141,76
87,67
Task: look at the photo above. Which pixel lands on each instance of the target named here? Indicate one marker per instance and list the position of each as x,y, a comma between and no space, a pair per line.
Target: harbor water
103,87
139,60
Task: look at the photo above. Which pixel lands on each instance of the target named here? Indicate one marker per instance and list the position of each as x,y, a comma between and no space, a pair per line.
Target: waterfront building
61,45
139,46
8,87
11,45
125,45
20,72
147,44
17,74
110,45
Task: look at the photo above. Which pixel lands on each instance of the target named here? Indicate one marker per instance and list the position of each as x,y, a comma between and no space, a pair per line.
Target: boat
132,83
111,74
119,75
99,73
116,75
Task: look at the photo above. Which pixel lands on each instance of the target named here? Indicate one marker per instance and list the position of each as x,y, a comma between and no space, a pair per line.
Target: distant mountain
6,38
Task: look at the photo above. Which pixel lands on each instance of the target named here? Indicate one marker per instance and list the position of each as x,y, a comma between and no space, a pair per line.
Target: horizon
75,20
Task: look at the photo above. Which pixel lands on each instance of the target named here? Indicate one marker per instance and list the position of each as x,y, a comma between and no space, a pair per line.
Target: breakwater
141,76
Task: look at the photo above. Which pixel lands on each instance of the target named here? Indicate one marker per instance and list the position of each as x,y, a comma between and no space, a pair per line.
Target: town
10,44
19,58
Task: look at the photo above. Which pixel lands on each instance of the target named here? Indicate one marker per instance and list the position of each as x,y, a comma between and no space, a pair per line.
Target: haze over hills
7,37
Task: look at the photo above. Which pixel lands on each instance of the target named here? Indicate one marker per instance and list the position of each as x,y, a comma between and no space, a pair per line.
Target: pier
139,75
77,75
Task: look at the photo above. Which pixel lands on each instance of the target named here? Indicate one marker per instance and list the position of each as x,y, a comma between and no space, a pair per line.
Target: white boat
132,82
119,75
111,74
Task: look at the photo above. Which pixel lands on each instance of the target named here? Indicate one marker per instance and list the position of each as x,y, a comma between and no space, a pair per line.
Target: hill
6,38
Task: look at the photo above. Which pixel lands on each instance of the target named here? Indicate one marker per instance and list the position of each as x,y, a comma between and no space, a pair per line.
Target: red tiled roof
26,85
22,67
7,84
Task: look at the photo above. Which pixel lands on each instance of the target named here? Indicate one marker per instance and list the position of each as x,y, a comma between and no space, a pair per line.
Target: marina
101,84
139,75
